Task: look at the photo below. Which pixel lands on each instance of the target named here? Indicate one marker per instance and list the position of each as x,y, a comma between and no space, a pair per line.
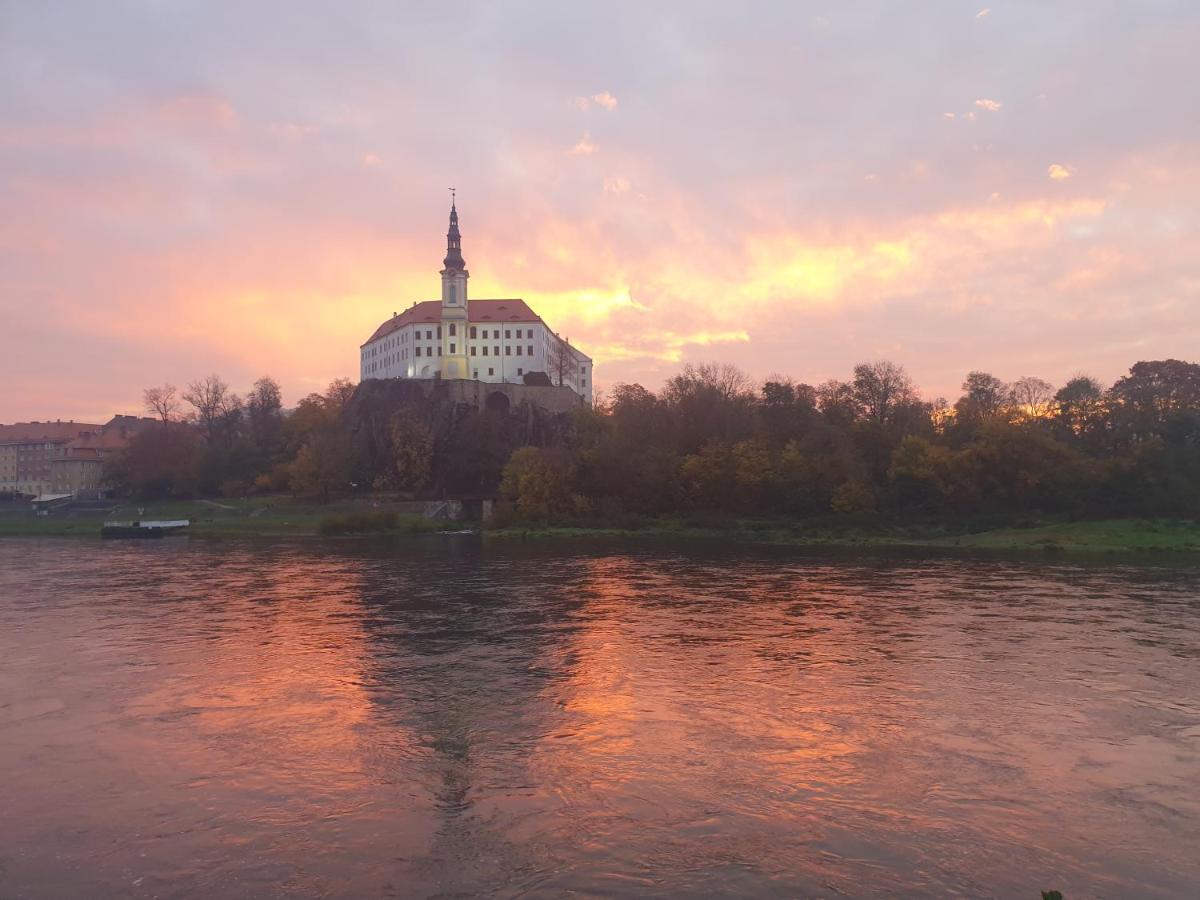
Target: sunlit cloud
616,184
983,13
583,147
1058,173
989,105
605,100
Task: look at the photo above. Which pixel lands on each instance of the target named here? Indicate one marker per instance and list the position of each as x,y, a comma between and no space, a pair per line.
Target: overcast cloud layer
249,188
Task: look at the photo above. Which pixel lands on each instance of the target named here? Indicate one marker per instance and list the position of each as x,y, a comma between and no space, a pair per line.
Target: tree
162,402
538,482
264,409
412,451
1079,403
709,401
1153,395
921,473
852,498
880,388
322,466
837,402
560,360
157,463
786,409
216,408
1033,397
984,397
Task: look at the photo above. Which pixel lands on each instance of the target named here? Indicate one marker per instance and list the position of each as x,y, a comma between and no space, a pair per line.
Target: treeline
214,442
710,442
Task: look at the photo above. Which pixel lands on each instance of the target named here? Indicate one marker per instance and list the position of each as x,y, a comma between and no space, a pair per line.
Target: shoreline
360,518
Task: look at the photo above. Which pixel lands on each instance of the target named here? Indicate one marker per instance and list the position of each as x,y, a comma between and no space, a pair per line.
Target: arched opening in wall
424,371
497,402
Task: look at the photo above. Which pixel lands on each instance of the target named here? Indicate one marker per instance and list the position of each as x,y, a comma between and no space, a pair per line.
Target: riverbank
290,517
1094,537
252,517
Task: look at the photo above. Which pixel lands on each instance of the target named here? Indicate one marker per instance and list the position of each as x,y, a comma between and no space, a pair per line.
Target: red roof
430,311
48,432
94,444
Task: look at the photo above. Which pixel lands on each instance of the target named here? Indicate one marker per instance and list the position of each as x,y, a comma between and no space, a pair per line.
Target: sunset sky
249,188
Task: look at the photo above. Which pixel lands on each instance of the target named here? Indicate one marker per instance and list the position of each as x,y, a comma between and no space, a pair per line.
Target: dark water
355,720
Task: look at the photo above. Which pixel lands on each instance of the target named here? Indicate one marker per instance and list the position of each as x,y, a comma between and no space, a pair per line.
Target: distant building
39,458
79,470
482,340
26,449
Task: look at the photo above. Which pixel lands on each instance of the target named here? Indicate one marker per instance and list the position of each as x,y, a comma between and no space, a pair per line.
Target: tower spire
454,260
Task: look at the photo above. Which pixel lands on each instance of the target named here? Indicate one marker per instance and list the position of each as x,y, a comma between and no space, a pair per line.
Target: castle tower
454,303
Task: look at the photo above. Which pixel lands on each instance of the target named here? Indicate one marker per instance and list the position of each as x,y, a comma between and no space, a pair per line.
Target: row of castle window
429,333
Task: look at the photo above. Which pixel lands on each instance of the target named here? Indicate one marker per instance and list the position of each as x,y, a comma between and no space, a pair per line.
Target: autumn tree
162,402
412,451
1032,397
264,410
216,409
880,389
538,482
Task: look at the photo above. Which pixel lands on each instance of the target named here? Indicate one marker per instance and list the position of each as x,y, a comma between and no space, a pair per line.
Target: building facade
38,458
499,341
26,452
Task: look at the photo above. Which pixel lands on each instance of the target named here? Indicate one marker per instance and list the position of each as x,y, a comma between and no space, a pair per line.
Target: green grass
1107,536
287,517
257,516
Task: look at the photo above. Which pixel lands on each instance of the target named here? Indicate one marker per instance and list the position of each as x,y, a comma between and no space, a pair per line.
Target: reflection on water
225,719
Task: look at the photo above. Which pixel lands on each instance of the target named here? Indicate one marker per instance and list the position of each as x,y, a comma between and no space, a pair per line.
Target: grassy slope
1109,536
275,516
1112,535
267,516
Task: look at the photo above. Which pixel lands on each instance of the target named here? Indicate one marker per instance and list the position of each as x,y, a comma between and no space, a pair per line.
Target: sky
250,188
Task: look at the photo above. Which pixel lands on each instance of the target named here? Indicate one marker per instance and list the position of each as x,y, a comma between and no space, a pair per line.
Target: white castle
484,340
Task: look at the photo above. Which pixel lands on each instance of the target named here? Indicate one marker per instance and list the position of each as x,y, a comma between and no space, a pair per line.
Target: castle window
418,351
439,351
429,335
475,374
451,329
508,350
507,334
472,331
491,371
519,348
520,371
452,345
531,349
472,351
497,351
485,351
439,332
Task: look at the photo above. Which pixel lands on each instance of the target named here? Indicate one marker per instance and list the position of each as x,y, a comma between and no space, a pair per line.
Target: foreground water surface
439,718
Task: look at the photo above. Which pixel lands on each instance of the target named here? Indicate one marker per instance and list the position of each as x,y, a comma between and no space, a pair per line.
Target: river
439,717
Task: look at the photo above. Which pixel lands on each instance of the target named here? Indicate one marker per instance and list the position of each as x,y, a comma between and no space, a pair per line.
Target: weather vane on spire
452,194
